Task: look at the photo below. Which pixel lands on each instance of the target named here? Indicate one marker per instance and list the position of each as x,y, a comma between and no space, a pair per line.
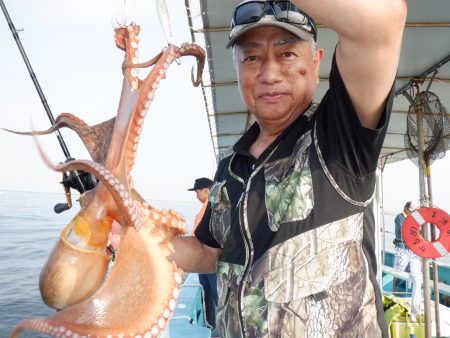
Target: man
404,257
290,230
209,280
402,253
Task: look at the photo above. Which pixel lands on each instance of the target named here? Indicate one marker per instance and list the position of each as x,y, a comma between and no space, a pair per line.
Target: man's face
202,194
277,73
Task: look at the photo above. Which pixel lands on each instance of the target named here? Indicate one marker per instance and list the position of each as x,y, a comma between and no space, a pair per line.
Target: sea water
29,229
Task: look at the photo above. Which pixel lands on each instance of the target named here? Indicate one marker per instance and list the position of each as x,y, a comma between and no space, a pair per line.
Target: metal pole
379,227
383,225
423,201
424,74
437,315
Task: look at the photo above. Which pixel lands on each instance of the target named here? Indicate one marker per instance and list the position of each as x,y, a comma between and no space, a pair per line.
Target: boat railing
390,271
188,318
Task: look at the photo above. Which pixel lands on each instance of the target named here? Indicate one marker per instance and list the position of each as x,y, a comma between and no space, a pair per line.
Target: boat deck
188,319
389,273
444,289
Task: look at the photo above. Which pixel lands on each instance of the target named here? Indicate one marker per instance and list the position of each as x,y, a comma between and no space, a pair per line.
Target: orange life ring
415,241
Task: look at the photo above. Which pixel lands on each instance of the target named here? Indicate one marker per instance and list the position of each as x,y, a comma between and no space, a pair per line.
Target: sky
70,45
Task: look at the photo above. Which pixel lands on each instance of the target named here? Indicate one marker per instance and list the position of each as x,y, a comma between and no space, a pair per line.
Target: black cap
410,205
201,183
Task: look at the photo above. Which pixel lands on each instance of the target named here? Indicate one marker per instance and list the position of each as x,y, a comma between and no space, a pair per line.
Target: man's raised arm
370,35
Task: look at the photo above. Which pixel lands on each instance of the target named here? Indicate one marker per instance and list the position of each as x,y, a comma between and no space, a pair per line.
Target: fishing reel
78,180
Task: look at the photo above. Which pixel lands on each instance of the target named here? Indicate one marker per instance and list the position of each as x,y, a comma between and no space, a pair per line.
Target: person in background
404,257
290,229
209,280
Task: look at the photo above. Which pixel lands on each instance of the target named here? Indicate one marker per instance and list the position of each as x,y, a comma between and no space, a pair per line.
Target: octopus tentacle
127,39
142,254
151,300
189,49
146,64
96,138
149,86
139,295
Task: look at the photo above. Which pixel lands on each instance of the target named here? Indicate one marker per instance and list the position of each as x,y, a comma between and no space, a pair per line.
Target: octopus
137,296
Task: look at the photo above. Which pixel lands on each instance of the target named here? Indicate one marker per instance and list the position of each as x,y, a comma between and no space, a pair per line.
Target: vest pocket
321,297
220,212
289,192
314,276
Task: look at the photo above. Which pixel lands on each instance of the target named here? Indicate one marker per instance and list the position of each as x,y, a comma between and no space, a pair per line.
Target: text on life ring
414,239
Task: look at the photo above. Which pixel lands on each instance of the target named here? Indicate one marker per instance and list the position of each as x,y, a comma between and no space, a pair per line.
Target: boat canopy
425,56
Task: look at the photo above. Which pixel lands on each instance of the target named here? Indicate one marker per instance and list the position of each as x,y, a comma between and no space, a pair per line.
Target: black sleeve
203,233
342,138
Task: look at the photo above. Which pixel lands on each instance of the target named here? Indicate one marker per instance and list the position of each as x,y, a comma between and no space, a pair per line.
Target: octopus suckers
166,313
161,322
177,278
175,292
155,330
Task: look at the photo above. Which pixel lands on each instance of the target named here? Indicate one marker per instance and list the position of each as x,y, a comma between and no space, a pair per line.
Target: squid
137,296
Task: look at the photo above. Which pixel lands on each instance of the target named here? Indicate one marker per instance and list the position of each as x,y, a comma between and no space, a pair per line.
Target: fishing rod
76,179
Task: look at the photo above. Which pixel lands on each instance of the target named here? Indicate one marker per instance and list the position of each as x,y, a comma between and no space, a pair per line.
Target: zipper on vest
247,238
245,233
240,207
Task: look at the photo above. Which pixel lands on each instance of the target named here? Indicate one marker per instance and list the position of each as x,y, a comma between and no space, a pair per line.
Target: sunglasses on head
283,11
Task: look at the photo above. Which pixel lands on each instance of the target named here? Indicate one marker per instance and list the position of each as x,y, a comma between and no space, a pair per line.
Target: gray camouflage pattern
313,285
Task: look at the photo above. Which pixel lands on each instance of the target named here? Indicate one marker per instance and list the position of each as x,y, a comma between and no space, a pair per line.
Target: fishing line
162,9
